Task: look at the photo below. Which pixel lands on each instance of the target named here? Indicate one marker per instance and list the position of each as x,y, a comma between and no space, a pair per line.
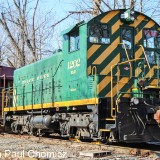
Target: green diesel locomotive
104,84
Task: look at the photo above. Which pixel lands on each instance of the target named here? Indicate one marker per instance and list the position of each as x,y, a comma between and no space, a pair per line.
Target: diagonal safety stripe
106,53
112,22
109,16
127,86
138,53
96,54
119,87
116,26
151,71
154,82
138,71
150,24
107,69
103,83
108,56
104,56
139,35
93,49
147,71
137,21
128,91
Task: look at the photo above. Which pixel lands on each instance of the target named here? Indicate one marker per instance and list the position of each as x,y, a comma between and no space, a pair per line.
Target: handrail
127,57
136,59
3,103
158,68
94,68
146,60
117,101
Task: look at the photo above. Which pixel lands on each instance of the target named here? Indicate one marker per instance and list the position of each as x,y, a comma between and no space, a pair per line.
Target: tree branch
107,5
33,32
62,20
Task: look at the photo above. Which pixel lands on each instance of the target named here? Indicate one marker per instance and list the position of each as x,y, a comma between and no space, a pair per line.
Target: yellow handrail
136,59
117,101
94,69
2,103
127,58
146,60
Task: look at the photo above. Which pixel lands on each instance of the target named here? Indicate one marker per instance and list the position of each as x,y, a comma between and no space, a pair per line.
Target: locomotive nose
157,116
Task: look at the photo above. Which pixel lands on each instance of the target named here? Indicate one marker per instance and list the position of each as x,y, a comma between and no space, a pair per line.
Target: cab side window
74,41
99,33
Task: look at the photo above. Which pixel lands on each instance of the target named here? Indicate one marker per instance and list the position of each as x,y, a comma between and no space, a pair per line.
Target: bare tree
132,5
96,8
151,8
25,31
124,3
140,8
29,32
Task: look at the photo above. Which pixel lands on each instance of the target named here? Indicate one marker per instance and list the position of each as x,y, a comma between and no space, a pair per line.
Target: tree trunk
141,1
124,4
96,7
132,5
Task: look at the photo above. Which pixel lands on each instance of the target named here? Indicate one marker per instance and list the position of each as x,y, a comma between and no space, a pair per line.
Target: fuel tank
41,122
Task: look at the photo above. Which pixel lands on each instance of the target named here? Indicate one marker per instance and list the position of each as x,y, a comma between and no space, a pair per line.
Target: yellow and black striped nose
103,56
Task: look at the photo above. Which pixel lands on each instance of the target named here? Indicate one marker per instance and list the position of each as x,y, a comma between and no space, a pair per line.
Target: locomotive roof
72,28
98,18
39,61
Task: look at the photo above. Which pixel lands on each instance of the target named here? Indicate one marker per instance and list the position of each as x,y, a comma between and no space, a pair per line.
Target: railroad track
79,148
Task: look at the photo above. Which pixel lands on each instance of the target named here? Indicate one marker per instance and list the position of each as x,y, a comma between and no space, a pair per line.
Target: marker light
132,18
128,16
125,15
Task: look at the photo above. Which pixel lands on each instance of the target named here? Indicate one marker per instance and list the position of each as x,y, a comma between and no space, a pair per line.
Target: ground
13,147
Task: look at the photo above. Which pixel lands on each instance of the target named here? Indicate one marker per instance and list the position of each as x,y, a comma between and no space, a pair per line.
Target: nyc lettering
43,76
28,81
38,78
74,64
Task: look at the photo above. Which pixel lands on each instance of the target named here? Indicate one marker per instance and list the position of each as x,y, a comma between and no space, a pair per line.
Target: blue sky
61,8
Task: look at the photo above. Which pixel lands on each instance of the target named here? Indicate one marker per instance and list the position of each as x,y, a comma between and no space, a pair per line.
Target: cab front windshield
99,33
151,44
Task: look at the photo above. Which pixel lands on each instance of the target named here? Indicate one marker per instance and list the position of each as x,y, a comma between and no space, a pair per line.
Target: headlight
135,101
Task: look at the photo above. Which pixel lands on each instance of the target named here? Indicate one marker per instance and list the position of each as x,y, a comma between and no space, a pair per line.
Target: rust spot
157,116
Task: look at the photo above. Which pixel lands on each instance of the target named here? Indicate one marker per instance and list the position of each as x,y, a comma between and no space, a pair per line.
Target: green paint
63,76
60,77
